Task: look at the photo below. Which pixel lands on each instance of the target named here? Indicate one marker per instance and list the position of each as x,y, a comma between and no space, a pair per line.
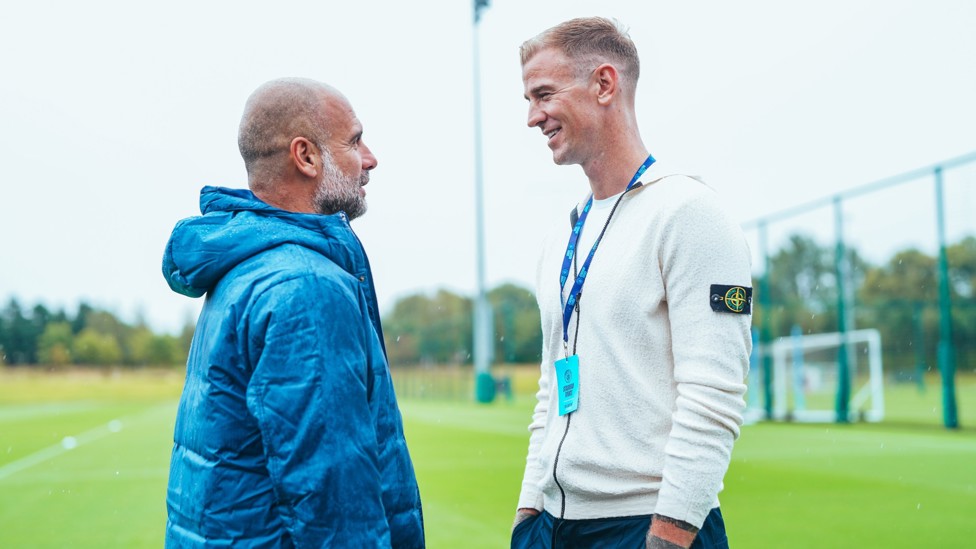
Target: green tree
54,345
106,323
962,275
20,335
437,328
81,318
96,349
908,276
899,298
150,349
91,336
802,287
165,350
518,331
429,329
962,267
138,344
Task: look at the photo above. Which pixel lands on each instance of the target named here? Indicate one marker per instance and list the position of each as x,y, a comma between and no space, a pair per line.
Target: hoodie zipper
559,449
562,510
555,477
569,417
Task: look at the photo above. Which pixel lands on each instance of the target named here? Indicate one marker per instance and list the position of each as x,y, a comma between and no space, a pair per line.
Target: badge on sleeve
731,299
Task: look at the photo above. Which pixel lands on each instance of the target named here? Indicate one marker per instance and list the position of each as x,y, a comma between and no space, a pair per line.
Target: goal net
806,377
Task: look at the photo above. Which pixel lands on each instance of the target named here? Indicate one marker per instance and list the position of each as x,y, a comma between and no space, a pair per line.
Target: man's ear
303,153
607,80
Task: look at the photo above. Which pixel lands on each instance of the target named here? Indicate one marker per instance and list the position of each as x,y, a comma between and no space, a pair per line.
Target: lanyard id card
567,369
567,380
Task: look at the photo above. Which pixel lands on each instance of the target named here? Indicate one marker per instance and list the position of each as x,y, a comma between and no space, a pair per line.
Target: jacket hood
235,226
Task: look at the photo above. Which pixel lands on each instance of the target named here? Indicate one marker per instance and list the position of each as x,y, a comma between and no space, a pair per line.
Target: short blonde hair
589,41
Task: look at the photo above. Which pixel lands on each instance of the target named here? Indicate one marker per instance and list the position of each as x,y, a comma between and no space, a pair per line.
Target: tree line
438,328
899,297
420,329
37,336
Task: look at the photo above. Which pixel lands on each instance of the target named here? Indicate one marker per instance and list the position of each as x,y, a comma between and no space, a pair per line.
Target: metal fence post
843,368
946,354
766,331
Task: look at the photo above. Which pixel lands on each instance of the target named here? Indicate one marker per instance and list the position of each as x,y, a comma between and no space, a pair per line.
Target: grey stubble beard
338,192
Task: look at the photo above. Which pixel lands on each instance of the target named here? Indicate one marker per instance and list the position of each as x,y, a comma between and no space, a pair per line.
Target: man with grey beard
288,433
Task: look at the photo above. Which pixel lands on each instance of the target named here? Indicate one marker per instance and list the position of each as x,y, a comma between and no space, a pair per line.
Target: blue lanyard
577,289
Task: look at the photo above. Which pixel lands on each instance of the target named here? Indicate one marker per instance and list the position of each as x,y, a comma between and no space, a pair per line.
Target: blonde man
645,314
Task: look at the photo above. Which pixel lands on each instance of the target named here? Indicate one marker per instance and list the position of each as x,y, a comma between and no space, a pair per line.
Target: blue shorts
545,531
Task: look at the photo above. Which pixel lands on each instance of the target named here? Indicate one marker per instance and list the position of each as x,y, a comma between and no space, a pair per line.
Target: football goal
807,383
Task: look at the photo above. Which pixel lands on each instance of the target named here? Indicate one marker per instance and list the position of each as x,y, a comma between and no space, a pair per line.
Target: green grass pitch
905,483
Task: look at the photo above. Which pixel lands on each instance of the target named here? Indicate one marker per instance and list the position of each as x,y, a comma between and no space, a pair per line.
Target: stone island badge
731,299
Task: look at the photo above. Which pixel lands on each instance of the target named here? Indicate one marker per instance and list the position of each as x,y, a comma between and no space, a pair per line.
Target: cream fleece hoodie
661,374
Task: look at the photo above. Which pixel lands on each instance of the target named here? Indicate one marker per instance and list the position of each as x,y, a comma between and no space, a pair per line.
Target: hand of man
522,514
669,533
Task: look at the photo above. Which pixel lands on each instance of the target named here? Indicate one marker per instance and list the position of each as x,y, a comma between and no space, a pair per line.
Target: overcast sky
114,114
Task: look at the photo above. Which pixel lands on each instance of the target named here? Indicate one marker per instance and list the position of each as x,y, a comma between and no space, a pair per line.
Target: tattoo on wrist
654,542
679,523
523,514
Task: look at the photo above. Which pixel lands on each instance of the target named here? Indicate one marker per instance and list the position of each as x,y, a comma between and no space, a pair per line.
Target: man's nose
369,160
536,116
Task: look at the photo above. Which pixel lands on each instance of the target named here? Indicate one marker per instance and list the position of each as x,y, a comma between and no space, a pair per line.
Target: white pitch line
69,443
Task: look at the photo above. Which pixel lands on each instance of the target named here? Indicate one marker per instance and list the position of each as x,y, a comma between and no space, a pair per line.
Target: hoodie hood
236,225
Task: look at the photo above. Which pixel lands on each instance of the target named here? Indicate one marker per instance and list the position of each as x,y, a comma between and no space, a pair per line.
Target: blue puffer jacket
288,432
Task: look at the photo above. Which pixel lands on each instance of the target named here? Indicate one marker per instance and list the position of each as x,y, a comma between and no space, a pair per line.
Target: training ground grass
84,458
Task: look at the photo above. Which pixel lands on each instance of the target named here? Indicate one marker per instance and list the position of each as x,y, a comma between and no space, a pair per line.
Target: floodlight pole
484,383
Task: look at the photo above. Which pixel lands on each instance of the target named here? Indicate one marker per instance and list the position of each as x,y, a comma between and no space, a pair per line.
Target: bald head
274,115
303,148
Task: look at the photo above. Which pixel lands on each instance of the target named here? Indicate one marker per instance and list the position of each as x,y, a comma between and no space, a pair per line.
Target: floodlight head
478,6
